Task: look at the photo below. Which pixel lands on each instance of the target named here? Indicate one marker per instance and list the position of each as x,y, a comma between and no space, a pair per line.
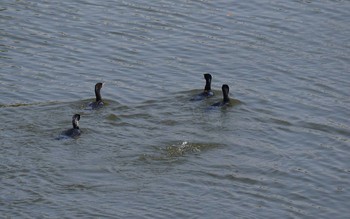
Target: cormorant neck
98,95
75,124
207,86
226,98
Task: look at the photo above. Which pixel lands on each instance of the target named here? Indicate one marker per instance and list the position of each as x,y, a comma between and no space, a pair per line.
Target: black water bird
73,132
207,89
226,100
98,103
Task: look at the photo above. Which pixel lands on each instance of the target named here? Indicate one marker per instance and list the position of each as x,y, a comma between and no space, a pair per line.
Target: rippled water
281,150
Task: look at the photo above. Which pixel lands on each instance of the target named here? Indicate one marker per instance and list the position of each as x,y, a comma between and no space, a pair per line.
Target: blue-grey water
280,150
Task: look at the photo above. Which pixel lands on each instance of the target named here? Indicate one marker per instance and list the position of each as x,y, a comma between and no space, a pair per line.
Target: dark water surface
282,152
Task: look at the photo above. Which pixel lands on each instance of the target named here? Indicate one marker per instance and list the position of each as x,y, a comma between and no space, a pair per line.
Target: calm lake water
282,152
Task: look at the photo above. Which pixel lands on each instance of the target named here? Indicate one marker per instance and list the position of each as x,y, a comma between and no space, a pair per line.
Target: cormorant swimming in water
226,99
207,89
98,103
73,132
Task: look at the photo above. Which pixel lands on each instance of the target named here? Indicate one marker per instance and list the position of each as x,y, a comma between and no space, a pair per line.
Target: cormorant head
98,86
